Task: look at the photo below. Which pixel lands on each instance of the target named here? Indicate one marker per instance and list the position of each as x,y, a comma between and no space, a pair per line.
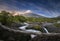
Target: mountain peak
22,12
28,11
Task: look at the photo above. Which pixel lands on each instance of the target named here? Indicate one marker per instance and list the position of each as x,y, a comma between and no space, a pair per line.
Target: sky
48,8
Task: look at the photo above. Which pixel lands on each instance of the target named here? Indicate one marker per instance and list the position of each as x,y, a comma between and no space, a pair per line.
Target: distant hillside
27,13
58,17
32,15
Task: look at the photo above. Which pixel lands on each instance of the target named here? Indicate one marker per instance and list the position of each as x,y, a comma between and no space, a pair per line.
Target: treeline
7,18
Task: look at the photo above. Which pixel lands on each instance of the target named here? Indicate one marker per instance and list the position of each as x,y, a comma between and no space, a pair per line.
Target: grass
57,24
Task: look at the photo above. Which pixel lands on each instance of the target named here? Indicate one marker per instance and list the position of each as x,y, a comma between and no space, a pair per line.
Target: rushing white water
45,30
29,30
24,27
45,24
32,36
32,30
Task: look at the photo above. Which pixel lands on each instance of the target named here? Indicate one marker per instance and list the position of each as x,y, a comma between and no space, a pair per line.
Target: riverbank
10,35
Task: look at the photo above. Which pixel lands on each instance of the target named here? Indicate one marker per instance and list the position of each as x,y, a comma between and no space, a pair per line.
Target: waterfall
43,26
24,27
45,30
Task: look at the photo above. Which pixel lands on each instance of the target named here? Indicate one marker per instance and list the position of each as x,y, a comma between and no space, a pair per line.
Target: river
32,30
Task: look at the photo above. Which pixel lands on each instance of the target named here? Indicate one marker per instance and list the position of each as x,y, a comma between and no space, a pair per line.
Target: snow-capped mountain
27,13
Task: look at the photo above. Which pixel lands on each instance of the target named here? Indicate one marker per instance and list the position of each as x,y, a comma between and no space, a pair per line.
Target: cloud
48,8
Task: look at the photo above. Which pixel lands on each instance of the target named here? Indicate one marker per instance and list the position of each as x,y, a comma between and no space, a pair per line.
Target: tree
3,17
22,19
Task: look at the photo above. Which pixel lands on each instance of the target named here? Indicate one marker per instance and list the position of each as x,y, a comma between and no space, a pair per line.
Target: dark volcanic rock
52,29
13,36
46,38
8,35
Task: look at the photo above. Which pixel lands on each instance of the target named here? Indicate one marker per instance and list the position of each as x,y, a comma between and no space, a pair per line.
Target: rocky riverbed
8,35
